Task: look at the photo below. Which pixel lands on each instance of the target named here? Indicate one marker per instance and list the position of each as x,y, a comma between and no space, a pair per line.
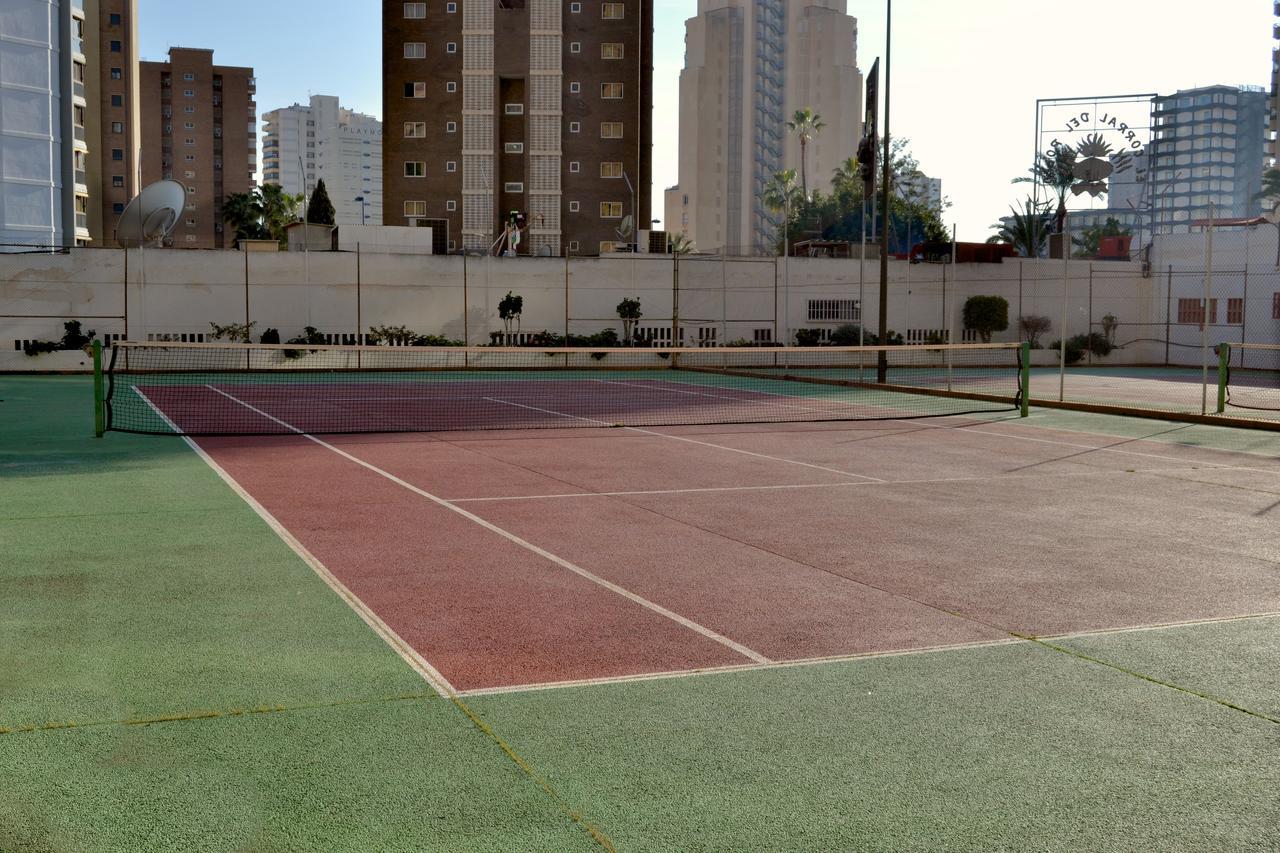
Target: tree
320,211
1054,170
510,309
629,311
1032,326
985,315
279,208
1270,188
805,124
243,212
1027,230
1091,239
781,195
681,244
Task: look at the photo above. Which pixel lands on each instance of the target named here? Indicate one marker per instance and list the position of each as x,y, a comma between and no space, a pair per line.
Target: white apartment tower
749,65
43,144
324,141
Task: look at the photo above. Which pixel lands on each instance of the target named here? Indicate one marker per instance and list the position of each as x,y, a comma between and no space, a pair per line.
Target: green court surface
175,677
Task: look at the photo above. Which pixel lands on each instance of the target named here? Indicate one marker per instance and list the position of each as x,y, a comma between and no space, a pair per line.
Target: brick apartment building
537,106
112,88
199,127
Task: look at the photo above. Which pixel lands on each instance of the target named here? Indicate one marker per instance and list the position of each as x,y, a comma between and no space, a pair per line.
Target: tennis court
691,610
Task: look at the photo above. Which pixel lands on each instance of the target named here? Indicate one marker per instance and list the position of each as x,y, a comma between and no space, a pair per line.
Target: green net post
1224,371
1024,378
99,404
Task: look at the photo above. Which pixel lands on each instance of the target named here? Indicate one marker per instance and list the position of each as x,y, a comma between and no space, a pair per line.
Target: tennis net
1252,376
248,389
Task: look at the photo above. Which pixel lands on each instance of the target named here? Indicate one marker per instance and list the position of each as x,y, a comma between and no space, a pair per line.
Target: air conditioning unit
655,242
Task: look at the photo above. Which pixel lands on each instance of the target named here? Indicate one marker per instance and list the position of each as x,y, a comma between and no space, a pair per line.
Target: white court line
689,440
745,667
882,484
511,537
407,653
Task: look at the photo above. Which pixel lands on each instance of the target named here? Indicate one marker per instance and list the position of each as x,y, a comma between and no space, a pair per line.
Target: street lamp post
882,358
635,223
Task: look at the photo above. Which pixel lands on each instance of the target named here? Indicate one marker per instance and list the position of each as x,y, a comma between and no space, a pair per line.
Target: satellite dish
152,215
544,251
625,227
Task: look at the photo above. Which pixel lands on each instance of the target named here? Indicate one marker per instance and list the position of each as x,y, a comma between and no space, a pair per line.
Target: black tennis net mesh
1253,377
245,389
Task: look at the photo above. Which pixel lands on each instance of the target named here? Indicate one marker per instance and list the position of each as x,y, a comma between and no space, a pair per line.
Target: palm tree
846,179
243,212
681,244
1054,170
279,208
805,124
1270,187
780,195
1027,230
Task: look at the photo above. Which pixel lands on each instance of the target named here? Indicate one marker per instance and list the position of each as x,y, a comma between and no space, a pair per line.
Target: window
451,8
575,87
610,130
575,47
1192,311
451,47
835,309
513,148
451,86
117,180
118,207
117,127
415,50
611,50
415,90
191,223
188,109
611,91
451,166
188,76
188,93
415,208
610,170
575,8
513,187
415,10
762,336
610,209
450,127
574,126
189,174
415,129
450,205
114,19
415,169
514,109
573,207
116,74
191,190
188,126
1275,307
117,154
573,244
1235,312
117,100
611,11
607,247
116,47
575,166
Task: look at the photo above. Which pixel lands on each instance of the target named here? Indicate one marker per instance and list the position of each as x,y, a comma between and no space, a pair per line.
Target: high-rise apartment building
1273,108
749,65
919,188
1209,148
199,128
68,104
322,141
112,92
542,107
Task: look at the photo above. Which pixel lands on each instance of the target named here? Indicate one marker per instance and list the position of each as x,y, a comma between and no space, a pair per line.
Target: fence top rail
161,345
1260,347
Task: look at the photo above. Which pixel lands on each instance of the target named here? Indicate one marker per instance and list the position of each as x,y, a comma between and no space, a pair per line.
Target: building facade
749,65
1209,148
539,107
303,145
114,124
922,189
199,128
1273,108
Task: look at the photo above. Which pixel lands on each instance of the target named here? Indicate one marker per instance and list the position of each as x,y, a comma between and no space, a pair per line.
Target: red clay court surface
520,559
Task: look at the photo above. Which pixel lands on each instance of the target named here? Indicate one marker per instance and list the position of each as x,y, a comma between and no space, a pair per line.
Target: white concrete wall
180,292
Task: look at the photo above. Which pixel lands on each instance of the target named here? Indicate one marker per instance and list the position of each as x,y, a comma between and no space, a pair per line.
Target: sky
965,78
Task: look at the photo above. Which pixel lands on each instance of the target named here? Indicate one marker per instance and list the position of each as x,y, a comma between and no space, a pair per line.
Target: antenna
152,215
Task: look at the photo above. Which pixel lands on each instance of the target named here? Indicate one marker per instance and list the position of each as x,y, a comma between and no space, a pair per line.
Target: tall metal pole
882,358
862,263
786,272
1204,314
946,315
1066,280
